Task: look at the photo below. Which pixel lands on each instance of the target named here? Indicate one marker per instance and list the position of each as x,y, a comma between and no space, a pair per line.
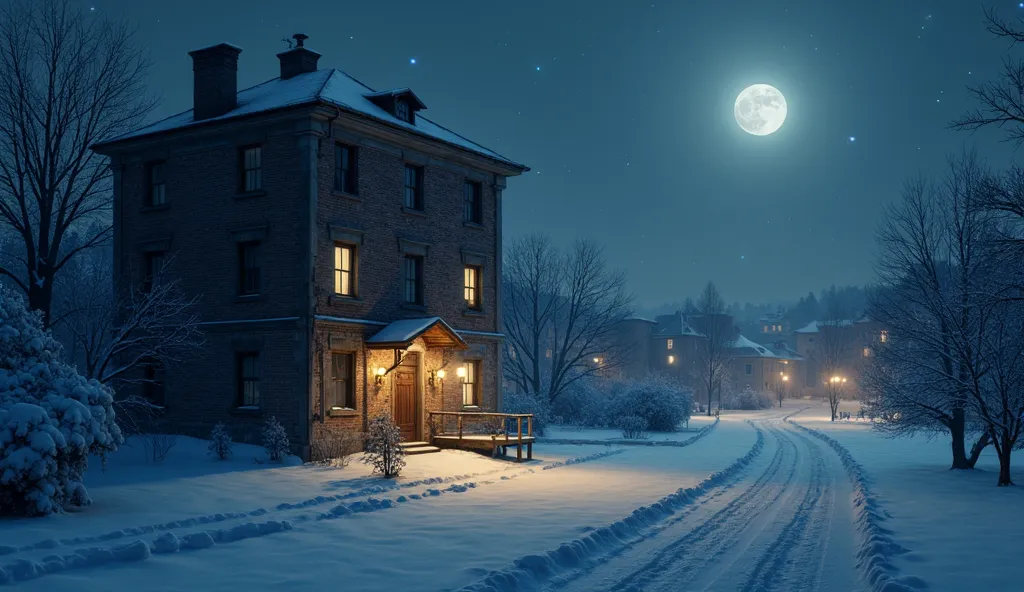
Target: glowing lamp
440,374
461,372
379,379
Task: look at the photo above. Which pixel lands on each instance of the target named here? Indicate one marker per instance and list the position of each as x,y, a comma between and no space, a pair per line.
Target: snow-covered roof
815,326
636,318
674,325
332,87
782,350
401,334
743,347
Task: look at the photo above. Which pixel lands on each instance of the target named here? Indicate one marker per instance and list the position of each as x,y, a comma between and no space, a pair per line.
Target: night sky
623,111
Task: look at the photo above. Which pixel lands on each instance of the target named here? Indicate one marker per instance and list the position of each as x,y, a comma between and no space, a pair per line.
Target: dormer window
402,110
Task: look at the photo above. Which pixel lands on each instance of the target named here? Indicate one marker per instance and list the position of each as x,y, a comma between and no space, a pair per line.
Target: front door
407,397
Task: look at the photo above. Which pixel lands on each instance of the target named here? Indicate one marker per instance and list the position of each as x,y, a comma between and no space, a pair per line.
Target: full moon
760,109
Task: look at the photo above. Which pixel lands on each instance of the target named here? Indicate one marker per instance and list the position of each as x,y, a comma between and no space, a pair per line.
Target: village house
346,251
837,349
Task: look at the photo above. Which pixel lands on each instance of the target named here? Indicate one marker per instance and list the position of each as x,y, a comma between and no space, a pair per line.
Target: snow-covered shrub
220,441
747,399
537,404
583,404
275,440
383,446
29,477
32,372
335,447
633,427
662,403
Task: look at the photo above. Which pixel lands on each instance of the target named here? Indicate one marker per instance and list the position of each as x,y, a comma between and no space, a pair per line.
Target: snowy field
745,506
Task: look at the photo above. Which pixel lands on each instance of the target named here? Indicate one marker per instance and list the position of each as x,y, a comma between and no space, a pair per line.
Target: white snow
758,505
406,330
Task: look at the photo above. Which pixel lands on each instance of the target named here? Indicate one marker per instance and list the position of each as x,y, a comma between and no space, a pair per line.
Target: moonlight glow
760,109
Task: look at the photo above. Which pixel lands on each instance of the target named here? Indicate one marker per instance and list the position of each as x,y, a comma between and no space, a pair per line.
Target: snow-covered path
784,523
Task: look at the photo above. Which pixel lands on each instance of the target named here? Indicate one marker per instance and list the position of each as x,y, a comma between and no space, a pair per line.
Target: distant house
850,342
347,250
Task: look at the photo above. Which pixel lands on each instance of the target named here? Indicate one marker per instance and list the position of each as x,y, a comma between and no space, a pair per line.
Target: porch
482,430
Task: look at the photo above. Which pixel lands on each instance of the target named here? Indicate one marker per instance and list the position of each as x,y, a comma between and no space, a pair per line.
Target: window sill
247,411
342,413
345,195
156,208
248,194
249,298
414,212
472,312
473,225
471,407
342,299
411,306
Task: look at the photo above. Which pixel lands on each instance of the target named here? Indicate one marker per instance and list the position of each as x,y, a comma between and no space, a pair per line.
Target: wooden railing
446,425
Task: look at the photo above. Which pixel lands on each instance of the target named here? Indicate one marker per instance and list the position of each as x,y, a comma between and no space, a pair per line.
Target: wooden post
519,446
529,425
460,427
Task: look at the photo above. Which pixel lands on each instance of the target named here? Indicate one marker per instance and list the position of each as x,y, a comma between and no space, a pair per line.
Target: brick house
346,249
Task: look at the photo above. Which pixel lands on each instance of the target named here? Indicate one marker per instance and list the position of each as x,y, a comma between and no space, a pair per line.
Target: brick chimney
215,82
299,59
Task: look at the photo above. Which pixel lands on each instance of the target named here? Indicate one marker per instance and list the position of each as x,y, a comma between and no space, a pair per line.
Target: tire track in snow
169,542
670,443
877,547
532,571
711,539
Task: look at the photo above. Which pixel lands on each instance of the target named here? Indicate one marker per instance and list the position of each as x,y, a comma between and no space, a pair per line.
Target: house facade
345,251
843,345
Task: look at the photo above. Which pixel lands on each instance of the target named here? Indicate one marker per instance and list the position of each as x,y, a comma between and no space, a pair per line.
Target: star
538,68
412,61
852,139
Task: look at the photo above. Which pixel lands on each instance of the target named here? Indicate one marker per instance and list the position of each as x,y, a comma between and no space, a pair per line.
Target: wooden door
407,397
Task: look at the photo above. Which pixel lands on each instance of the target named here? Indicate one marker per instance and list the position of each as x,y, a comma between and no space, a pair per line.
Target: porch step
413,444
421,449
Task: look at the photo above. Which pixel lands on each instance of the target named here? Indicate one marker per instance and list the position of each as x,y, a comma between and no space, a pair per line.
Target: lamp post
835,391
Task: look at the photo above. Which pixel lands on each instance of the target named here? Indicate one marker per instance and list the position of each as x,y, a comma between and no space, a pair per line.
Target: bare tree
68,79
560,314
152,323
712,351
781,384
832,353
933,267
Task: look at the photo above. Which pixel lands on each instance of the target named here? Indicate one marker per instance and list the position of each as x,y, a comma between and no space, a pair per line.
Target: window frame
472,280
416,282
247,173
353,271
246,272
749,370
412,195
472,202
152,168
471,380
152,274
402,110
349,395
242,379
346,178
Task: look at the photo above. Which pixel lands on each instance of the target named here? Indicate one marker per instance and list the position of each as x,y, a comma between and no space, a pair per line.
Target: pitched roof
332,87
815,326
401,334
673,325
782,350
745,348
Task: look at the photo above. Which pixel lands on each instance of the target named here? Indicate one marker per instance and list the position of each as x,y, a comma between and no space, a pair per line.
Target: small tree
275,440
220,441
383,446
712,352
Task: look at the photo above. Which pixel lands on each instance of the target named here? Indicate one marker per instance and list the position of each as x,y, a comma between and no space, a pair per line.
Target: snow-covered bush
335,447
583,404
662,403
275,440
747,400
383,446
537,404
81,410
29,447
220,441
633,427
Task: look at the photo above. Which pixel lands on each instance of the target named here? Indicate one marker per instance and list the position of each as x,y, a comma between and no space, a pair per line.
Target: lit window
598,361
669,344
671,359
471,385
547,354
884,336
764,329
867,352
471,287
344,270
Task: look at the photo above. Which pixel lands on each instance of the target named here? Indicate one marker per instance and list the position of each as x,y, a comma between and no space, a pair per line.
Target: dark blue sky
627,124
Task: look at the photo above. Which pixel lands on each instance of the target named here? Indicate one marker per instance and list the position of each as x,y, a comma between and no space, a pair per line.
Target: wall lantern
379,379
461,372
439,375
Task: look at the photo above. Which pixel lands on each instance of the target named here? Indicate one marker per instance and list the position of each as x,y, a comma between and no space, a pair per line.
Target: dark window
250,168
413,187
342,393
156,194
345,169
248,372
471,287
413,279
472,206
153,382
471,384
248,268
344,270
749,369
154,267
402,110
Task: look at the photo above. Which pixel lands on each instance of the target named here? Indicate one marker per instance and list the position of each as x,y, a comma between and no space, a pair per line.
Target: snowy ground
750,505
